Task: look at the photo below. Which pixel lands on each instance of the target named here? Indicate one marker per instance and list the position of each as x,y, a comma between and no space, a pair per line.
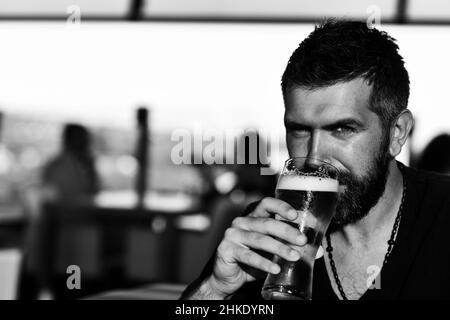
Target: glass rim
313,158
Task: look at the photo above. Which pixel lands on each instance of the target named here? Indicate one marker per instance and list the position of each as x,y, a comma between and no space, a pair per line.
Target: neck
381,217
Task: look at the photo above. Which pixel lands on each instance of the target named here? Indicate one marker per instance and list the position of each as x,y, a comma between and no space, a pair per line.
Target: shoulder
429,194
432,184
59,159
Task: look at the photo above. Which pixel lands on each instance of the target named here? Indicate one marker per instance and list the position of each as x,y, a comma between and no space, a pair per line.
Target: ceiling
389,11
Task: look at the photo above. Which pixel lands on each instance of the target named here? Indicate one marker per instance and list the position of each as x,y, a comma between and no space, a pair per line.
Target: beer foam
311,183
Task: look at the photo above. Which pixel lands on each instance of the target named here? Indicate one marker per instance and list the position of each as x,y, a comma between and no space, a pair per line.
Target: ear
400,132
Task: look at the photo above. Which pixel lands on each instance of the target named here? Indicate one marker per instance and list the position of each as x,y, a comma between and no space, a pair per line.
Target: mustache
347,179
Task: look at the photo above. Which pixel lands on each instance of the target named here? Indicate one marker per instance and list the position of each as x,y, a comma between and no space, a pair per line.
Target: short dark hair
343,50
75,137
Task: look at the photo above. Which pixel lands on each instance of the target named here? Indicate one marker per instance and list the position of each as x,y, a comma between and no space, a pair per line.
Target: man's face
334,124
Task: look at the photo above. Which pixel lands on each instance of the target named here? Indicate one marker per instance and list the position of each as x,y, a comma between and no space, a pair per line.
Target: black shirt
419,264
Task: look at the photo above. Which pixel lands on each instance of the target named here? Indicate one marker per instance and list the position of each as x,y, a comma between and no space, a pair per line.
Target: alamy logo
374,18
225,147
74,280
373,281
74,13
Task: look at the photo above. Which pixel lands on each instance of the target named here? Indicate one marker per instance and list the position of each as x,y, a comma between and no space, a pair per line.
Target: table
158,291
113,224
12,225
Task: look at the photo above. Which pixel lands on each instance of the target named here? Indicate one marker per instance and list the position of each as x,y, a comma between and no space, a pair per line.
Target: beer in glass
311,187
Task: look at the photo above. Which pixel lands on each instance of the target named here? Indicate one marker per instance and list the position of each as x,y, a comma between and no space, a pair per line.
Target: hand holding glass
311,187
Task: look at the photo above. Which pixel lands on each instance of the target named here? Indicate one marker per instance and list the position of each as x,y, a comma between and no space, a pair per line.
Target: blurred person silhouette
238,185
251,181
436,155
240,181
71,176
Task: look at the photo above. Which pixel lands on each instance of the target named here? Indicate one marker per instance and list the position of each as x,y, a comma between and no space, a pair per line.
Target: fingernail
301,239
275,269
294,254
292,214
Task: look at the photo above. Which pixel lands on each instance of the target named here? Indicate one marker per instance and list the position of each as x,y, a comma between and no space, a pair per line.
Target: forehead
343,100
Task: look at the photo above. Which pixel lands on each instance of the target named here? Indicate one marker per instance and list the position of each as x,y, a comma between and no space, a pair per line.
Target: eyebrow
339,123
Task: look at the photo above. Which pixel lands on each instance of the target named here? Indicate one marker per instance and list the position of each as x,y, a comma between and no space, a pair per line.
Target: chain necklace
391,241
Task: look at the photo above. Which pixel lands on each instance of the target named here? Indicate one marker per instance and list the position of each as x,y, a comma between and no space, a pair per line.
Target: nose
316,146
320,151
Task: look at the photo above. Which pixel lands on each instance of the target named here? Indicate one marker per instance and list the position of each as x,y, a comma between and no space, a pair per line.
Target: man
346,92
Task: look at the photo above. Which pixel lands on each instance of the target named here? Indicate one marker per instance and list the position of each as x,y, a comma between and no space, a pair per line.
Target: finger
270,226
254,260
264,242
269,206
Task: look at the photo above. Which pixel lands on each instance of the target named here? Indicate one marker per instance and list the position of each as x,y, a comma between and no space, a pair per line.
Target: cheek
296,148
358,157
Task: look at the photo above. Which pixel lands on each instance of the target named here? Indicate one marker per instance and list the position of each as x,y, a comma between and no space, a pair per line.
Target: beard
361,193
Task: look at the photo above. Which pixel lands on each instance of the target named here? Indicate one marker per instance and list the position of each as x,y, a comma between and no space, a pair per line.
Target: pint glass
311,187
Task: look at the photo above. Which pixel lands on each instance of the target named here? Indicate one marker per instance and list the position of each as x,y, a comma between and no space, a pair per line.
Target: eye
344,130
299,132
